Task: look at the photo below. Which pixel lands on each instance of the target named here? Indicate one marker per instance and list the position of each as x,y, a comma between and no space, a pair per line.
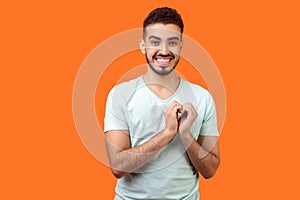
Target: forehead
163,31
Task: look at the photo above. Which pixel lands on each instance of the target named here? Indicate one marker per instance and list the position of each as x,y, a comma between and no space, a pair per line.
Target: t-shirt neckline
159,99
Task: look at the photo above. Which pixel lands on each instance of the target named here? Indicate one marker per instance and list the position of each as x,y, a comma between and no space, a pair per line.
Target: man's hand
204,152
188,116
171,112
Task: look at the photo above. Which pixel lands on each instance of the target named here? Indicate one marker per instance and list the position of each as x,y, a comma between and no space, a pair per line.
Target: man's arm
124,159
204,152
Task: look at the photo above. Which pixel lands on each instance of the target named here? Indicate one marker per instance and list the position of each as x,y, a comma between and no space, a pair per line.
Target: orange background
254,44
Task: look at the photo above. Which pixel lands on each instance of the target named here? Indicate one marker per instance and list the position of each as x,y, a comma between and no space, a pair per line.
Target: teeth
162,60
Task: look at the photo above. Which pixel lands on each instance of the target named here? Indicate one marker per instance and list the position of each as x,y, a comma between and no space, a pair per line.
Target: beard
162,72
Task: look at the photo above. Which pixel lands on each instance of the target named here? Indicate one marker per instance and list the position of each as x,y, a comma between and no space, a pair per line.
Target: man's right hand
171,112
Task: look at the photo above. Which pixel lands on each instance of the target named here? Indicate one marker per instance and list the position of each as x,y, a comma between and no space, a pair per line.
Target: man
160,129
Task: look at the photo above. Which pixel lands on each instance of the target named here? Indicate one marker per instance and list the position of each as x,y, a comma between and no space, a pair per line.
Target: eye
154,42
173,43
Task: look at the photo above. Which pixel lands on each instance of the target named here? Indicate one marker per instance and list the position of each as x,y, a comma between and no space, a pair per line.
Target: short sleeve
209,124
115,118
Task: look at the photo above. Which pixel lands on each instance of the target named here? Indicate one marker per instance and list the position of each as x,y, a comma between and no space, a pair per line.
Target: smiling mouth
163,60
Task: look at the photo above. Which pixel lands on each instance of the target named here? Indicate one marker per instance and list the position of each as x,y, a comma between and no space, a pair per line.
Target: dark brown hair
163,15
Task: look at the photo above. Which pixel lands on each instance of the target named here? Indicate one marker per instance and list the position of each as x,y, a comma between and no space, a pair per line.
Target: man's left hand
188,116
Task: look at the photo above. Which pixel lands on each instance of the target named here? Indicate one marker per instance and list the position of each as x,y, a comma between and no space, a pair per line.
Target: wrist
169,133
186,136
184,132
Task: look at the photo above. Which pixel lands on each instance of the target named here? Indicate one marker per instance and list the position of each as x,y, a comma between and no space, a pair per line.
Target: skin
163,42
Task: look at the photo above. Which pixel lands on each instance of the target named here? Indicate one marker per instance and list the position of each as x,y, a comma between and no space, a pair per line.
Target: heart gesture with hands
185,122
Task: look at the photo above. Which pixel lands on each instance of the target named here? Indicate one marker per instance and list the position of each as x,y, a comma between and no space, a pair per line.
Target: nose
164,48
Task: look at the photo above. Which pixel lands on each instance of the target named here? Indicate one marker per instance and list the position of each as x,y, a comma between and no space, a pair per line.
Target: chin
161,70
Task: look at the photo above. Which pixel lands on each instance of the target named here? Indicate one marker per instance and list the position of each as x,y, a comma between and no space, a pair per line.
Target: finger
172,105
175,102
176,108
189,108
181,109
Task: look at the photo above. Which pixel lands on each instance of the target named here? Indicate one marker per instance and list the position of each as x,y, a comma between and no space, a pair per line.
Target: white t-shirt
132,106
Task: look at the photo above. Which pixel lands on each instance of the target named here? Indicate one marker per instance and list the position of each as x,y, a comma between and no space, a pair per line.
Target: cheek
150,52
175,51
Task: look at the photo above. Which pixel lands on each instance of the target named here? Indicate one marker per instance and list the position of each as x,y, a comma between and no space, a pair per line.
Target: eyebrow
171,38
152,36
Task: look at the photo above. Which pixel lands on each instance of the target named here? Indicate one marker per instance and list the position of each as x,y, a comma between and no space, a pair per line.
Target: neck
170,81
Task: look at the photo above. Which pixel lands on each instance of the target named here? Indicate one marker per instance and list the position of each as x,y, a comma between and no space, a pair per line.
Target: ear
142,46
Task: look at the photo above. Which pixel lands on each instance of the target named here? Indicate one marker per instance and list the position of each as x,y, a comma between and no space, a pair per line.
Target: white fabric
134,107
